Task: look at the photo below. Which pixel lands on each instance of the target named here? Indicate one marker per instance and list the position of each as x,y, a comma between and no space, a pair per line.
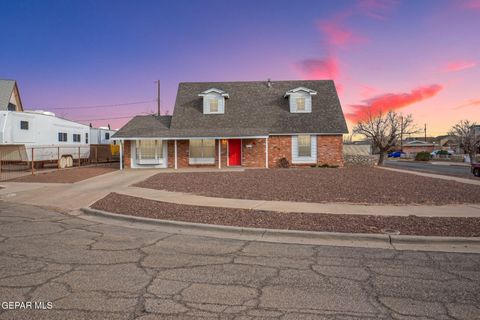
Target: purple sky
419,57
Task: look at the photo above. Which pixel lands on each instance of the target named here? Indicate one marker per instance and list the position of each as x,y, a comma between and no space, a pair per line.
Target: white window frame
201,160
312,159
158,153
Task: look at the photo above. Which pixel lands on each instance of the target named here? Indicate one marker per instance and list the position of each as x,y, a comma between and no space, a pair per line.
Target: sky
97,61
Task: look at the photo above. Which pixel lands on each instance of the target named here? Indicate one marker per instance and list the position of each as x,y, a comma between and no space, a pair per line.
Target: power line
100,106
114,118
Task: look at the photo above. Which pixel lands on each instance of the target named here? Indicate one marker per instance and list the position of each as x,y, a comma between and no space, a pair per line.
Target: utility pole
158,96
425,132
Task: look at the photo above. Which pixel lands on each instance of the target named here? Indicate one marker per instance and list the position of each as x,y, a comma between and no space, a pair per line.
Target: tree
467,137
385,130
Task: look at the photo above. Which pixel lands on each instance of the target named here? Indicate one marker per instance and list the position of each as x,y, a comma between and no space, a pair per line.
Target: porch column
175,151
219,153
121,154
266,152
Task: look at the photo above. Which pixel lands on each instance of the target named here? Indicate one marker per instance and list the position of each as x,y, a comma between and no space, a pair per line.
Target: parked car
476,169
396,154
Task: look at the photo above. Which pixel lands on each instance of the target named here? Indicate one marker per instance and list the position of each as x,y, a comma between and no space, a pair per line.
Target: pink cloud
470,103
367,91
458,65
376,8
338,35
391,101
472,4
319,68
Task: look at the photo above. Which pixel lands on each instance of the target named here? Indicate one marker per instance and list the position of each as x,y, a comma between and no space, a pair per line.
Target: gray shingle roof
252,109
145,126
6,88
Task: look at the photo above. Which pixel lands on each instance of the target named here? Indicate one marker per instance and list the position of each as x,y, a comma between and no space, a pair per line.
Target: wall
253,153
330,150
127,155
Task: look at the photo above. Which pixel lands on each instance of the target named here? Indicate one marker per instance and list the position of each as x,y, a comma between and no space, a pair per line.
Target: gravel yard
348,185
411,225
66,175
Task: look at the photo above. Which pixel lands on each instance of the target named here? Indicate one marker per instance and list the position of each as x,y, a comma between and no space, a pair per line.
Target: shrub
283,163
422,156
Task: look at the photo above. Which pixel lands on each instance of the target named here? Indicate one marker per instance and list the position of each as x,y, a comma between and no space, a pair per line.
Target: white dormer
300,99
214,101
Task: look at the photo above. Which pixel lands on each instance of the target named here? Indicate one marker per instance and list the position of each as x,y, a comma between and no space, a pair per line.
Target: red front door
234,152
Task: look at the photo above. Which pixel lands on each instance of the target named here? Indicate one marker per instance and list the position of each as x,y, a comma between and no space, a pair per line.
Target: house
248,124
416,146
10,96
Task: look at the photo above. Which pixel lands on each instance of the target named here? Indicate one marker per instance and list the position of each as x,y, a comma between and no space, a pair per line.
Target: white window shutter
308,104
293,103
221,105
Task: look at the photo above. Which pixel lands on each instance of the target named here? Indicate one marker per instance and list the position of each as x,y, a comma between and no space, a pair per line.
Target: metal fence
18,160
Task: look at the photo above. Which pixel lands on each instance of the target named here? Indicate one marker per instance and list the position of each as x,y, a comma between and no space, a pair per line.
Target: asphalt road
91,270
455,170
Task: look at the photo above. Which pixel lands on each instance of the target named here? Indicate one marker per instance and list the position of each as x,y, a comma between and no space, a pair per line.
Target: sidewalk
308,207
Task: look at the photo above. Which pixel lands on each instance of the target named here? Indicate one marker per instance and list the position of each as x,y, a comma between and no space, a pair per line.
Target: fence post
58,157
96,154
79,156
33,163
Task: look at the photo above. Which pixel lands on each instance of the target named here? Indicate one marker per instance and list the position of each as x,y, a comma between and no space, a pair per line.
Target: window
213,105
148,150
304,146
86,137
62,136
76,137
107,135
24,125
300,104
11,107
202,151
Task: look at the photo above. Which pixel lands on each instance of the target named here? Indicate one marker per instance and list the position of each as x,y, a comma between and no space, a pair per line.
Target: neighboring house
10,96
249,124
416,146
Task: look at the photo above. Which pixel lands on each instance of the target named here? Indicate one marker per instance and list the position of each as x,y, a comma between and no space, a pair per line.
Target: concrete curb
301,236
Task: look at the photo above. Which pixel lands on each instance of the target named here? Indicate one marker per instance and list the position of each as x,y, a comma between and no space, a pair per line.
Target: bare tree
467,137
385,130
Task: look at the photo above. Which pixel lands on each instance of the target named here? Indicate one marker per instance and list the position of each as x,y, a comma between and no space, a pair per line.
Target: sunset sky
90,60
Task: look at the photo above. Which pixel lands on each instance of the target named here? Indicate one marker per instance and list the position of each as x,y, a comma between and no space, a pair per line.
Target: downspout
266,152
121,154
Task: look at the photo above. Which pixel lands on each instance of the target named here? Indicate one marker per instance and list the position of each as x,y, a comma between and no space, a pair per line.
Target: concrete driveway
91,270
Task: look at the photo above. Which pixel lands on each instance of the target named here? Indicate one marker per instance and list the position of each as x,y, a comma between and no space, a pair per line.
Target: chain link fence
18,160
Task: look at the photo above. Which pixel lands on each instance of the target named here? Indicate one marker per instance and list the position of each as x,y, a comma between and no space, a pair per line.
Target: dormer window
214,101
300,99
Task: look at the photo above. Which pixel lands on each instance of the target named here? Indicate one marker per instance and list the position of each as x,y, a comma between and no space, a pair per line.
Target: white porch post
266,152
175,149
219,153
121,154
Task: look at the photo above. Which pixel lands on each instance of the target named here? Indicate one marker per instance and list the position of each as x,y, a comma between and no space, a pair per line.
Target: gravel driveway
71,175
350,184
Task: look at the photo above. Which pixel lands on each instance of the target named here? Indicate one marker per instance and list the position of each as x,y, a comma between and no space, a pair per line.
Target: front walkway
469,210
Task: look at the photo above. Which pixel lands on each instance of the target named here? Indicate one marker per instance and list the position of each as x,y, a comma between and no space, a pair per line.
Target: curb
265,234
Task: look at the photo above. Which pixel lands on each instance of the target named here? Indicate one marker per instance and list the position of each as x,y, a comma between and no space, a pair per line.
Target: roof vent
269,83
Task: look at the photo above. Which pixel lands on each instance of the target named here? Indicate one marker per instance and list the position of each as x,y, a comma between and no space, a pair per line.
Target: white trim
292,91
201,160
219,154
193,138
175,151
266,153
306,133
312,159
121,155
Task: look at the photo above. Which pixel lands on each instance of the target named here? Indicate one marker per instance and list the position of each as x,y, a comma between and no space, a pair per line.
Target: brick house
248,124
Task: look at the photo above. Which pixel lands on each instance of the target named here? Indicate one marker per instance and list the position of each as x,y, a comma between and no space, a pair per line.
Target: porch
187,153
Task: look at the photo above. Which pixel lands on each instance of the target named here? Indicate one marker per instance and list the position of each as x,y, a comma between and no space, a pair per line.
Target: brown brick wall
279,147
253,153
330,150
127,153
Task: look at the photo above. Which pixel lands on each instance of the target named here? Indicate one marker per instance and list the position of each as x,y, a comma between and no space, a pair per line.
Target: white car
435,152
